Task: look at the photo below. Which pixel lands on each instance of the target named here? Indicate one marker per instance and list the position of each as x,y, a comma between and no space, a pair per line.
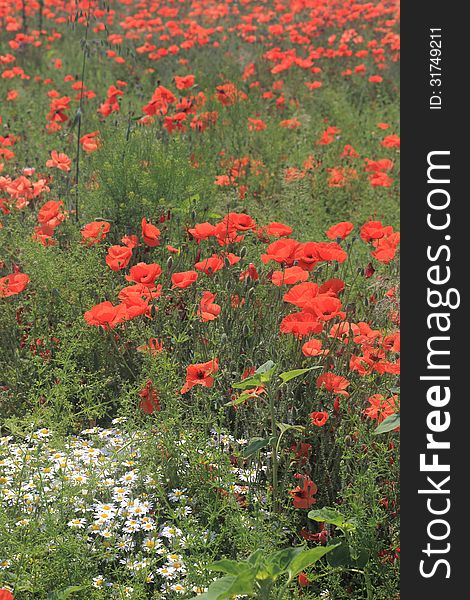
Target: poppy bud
193,215
245,330
226,262
169,263
336,267
243,252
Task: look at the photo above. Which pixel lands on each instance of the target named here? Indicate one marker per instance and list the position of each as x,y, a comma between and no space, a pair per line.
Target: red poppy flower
59,160
386,248
391,141
135,306
330,251
118,257
153,347
313,348
50,213
142,291
160,101
95,232
278,229
208,311
340,230
256,124
319,418
131,241
301,295
13,284
183,279
303,497
150,233
326,308
90,142
144,273
380,407
332,287
150,402
106,315
185,82
281,251
333,383
200,374
239,221
289,276
6,594
210,265
374,230
301,324
202,231
250,272
380,180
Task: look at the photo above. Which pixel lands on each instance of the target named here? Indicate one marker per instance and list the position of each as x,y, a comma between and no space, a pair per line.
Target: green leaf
255,557
342,557
285,427
243,397
333,517
64,594
265,367
231,567
262,375
307,558
255,445
288,375
390,423
225,588
278,563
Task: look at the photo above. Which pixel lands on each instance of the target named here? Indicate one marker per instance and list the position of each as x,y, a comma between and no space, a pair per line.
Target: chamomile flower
167,572
77,523
177,494
98,582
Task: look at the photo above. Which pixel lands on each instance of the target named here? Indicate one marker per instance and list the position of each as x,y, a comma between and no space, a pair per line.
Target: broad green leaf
265,367
307,558
333,517
278,563
288,375
243,397
64,594
342,557
231,567
255,557
388,424
262,375
255,445
285,427
225,588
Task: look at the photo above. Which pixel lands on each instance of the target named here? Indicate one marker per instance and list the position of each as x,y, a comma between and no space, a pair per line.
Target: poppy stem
274,444
79,117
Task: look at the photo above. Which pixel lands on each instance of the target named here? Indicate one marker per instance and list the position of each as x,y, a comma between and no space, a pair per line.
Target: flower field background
199,300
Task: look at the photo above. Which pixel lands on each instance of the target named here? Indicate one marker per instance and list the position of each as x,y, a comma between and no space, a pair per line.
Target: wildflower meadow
199,299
